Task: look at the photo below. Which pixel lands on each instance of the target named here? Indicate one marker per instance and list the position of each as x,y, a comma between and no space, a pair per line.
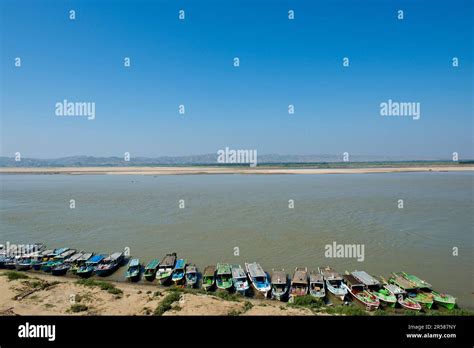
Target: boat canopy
395,289
238,272
74,257
255,270
329,274
351,280
180,264
315,277
300,276
95,259
403,283
191,269
134,263
85,257
223,268
65,254
365,278
279,278
152,264
168,261
420,283
47,252
114,257
209,271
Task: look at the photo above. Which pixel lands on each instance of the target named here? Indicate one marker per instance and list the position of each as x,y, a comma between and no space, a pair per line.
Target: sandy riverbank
229,170
43,294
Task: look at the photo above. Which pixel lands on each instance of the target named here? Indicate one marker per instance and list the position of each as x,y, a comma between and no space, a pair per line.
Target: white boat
239,279
258,278
333,282
316,285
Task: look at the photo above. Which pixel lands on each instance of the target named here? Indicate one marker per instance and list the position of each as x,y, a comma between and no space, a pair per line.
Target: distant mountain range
205,159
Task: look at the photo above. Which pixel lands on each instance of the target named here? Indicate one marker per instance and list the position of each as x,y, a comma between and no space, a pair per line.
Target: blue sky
190,62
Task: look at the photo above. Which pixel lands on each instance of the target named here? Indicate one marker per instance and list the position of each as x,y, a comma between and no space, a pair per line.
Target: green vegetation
13,275
165,304
346,310
234,313
224,295
110,288
247,306
307,301
77,307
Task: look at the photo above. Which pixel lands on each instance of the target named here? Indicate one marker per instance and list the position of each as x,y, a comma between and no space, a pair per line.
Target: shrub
165,304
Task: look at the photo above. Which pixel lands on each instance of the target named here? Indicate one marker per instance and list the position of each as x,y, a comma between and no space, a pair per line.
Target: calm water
251,212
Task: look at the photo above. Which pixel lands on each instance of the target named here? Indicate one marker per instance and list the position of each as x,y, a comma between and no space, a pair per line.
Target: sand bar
228,170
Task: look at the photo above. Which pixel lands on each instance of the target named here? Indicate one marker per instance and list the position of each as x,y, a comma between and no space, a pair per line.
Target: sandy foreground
228,170
38,295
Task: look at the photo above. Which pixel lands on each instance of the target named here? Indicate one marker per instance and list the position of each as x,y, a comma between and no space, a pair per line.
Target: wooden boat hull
59,271
318,294
208,287
362,299
23,266
444,300
104,272
85,273
133,277
150,276
409,304
165,280
178,281
338,292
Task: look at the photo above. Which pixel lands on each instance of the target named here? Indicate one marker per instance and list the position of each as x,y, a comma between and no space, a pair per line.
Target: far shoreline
197,170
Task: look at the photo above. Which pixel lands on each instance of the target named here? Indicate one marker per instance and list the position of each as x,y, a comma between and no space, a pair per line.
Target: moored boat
133,270
209,278
299,283
80,261
373,286
165,269
224,276
280,284
191,276
53,263
358,292
60,269
178,276
444,300
89,266
110,264
258,278
426,289
414,292
333,282
151,269
316,285
239,280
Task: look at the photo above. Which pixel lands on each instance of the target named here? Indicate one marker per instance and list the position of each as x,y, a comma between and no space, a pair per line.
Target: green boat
444,300
209,278
385,296
441,299
224,276
423,290
150,269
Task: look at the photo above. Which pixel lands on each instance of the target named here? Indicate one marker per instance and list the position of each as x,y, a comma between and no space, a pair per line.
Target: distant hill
205,159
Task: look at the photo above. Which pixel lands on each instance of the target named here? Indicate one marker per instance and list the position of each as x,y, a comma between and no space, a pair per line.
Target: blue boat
89,267
179,272
110,264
